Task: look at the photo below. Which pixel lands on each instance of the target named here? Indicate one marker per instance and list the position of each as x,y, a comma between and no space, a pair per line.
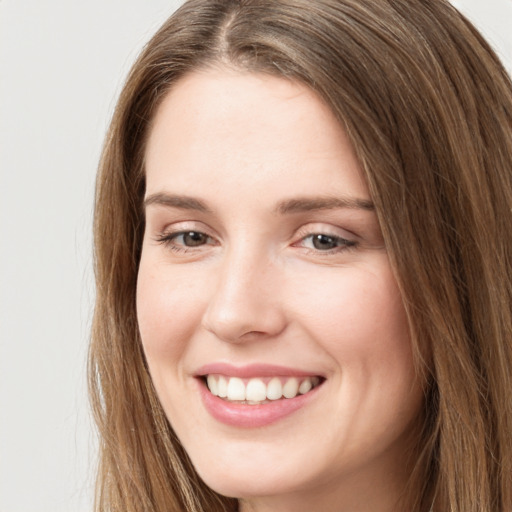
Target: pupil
193,238
324,242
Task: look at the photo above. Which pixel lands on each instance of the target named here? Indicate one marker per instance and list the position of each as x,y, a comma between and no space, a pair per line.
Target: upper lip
252,370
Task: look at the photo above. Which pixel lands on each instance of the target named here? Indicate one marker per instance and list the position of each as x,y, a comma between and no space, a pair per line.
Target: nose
245,304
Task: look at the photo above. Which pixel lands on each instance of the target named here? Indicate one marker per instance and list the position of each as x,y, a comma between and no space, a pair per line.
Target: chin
251,483
249,471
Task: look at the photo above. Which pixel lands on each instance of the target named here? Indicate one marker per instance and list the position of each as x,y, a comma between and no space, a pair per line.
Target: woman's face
264,272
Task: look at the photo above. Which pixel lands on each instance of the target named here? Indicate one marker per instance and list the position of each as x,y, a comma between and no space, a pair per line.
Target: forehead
221,125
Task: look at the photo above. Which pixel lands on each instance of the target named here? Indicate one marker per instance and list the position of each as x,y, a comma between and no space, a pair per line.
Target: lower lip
252,416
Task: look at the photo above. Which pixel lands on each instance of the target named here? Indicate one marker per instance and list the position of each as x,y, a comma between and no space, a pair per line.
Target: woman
303,256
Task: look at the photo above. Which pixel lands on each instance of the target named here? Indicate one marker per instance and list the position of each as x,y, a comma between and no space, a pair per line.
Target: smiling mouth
259,390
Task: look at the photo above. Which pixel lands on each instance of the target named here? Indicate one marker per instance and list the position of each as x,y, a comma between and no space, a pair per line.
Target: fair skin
263,259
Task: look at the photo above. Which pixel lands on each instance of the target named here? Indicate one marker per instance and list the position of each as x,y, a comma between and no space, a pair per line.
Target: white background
62,63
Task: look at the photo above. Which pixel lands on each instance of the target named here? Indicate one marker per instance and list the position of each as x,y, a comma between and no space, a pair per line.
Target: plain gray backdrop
62,63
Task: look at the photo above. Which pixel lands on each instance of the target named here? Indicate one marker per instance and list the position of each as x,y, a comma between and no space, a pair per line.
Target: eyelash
341,244
168,240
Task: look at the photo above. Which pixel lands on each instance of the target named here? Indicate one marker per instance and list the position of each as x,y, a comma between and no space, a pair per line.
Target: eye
326,243
190,238
184,240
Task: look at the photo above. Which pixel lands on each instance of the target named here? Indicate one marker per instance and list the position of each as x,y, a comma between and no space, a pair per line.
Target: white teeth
305,386
291,388
212,384
236,389
222,389
255,391
274,389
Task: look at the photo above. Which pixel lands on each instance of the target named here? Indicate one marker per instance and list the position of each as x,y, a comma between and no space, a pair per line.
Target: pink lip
251,416
252,370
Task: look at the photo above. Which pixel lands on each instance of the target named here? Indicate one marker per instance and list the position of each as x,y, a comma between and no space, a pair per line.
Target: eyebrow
173,201
305,204
288,206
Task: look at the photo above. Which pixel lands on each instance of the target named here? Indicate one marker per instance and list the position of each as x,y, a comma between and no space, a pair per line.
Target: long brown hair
428,108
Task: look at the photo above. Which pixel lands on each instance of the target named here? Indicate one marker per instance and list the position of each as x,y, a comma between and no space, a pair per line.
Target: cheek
360,321
356,313
168,312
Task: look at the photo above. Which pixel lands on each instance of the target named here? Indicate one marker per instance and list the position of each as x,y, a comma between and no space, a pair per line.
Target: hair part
428,108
